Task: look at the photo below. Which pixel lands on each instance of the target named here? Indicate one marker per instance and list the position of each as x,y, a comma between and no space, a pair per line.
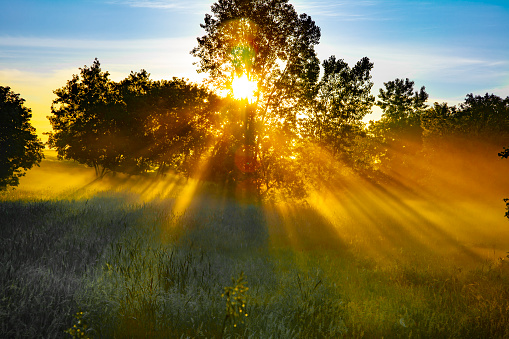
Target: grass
113,264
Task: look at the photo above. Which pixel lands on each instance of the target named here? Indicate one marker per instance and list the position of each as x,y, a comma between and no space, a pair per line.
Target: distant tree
478,125
400,103
83,120
400,125
20,148
343,98
440,119
485,117
268,43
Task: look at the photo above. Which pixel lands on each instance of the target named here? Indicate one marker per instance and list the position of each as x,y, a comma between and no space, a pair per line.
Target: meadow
133,256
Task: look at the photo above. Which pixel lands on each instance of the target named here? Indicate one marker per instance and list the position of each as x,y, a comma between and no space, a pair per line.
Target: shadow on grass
46,247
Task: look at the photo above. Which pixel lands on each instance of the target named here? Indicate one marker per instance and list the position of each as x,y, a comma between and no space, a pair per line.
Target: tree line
302,125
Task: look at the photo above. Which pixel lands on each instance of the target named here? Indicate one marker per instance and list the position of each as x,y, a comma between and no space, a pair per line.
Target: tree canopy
343,98
20,148
272,46
131,126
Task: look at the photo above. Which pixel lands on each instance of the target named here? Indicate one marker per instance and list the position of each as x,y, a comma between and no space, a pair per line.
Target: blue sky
451,47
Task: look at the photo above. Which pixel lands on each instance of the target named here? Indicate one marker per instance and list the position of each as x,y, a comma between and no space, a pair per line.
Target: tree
268,43
399,102
473,131
20,148
128,132
132,125
180,123
83,121
485,117
343,99
400,125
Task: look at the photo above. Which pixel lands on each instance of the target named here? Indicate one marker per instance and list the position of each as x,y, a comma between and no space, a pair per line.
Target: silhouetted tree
343,98
400,124
83,121
504,153
485,117
399,102
132,125
269,43
479,125
133,107
20,148
181,124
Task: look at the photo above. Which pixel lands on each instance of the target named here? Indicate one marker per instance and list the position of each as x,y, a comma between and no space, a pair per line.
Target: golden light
244,88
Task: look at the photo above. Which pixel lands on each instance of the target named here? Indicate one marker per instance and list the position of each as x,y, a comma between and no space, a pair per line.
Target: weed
79,329
235,302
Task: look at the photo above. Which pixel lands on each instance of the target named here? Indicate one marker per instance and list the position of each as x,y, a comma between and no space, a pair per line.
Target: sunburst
244,88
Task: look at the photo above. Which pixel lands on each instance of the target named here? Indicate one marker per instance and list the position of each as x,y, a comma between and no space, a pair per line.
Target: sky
451,47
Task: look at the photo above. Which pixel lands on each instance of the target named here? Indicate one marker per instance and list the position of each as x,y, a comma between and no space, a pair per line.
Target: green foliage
478,119
399,130
83,120
485,117
180,123
20,148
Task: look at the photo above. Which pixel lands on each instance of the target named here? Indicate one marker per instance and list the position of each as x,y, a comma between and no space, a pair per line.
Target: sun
244,88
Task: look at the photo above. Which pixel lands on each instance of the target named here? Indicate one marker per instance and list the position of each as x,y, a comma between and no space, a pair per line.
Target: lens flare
244,88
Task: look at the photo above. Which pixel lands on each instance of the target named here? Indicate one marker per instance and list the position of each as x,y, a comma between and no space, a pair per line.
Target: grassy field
135,257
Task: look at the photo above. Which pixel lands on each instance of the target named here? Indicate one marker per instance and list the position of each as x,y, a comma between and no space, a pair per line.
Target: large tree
20,148
270,45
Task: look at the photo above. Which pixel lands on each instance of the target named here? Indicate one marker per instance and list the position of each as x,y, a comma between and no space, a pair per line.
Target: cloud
346,10
186,6
40,42
34,67
447,73
165,57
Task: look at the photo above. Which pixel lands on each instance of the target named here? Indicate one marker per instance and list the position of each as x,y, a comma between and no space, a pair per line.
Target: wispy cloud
163,58
161,43
346,10
163,4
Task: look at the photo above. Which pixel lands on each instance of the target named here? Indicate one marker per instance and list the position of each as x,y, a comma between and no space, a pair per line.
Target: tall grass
116,266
